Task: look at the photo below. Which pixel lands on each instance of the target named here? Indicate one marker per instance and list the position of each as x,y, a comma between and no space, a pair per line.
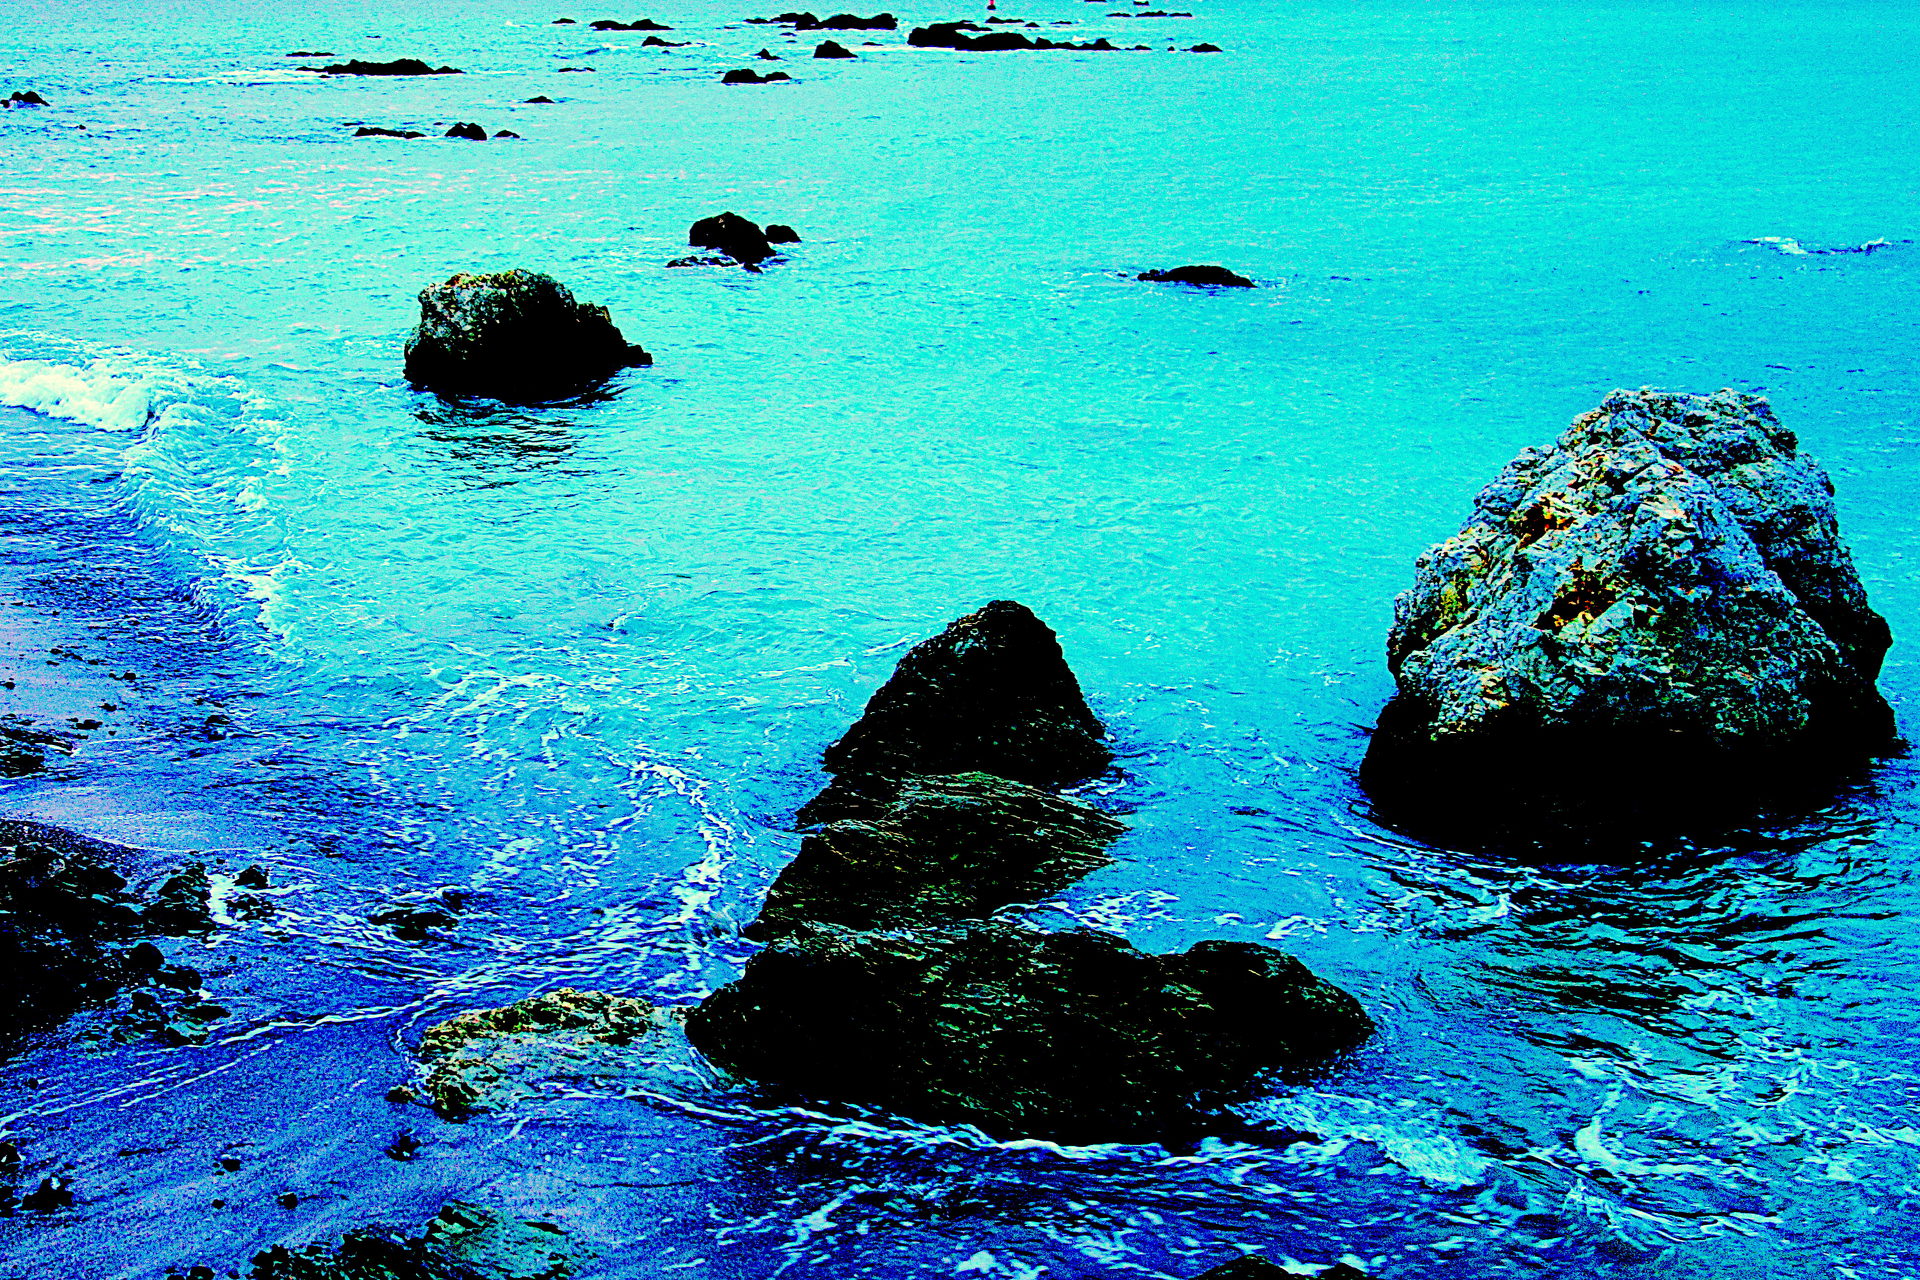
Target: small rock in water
26,98
312,53
769,55
781,233
657,43
739,238
373,131
643,24
1205,48
1218,277
513,335
483,1060
461,1242
832,49
506,133
471,132
1648,625
565,22
1074,1037
543,98
747,75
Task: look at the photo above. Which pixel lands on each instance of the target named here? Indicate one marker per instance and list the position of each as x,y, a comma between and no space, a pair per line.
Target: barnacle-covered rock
1653,620
483,1060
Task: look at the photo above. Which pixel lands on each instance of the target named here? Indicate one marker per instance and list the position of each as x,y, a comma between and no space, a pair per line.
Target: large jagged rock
1074,1037
484,1060
461,1242
513,335
65,916
397,67
943,849
1653,620
992,694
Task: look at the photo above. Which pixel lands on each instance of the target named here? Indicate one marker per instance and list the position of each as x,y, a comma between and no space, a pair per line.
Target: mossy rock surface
484,1060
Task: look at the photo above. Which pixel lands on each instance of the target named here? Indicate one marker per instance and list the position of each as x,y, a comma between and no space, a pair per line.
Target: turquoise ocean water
578,662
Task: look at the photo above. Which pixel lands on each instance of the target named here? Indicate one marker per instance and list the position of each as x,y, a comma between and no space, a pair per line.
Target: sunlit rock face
1647,621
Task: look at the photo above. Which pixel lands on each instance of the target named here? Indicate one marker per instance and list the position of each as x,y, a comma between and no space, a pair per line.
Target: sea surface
577,663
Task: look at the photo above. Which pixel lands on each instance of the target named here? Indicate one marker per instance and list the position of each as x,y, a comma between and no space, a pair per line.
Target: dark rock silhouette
953,35
657,43
838,22
747,75
644,24
312,53
1255,1267
24,745
781,233
832,49
1075,1037
374,131
943,849
542,99
992,694
1205,48
1652,622
769,55
1200,275
738,237
515,336
565,22
471,132
505,133
398,67
26,98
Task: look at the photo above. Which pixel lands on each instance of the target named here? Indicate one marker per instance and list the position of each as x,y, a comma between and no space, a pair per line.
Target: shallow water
579,661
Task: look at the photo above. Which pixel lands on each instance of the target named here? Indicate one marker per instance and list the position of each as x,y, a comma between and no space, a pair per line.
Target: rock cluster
1217,277
70,929
24,746
953,35
838,22
513,335
1652,620
747,75
741,239
642,24
461,1242
24,98
890,982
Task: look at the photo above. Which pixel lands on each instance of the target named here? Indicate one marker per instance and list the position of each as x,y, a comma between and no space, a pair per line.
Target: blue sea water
578,662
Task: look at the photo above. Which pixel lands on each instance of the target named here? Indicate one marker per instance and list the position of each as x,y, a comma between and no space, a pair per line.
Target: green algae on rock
483,1060
1073,1037
461,1242
516,336
943,848
1652,621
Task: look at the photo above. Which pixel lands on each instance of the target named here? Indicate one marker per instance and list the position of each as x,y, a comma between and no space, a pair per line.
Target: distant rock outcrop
739,238
953,35
642,24
1075,1037
838,22
374,131
471,132
747,75
1654,620
1216,277
832,49
513,335
24,98
398,67
781,233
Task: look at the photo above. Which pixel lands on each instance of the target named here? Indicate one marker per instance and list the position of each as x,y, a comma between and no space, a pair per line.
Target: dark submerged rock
1075,1037
1205,48
643,24
739,238
63,913
483,1060
471,132
747,75
542,99
943,849
769,56
953,35
513,335
656,42
312,53
1650,624
832,49
849,22
1218,277
461,1242
398,67
992,694
24,746
781,233
26,98
373,131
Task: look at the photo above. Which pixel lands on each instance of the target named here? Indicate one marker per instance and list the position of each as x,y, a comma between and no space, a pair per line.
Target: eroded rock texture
1652,620
1075,1036
484,1060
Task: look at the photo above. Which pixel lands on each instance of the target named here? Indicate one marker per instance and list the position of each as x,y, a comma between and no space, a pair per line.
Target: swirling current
575,664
